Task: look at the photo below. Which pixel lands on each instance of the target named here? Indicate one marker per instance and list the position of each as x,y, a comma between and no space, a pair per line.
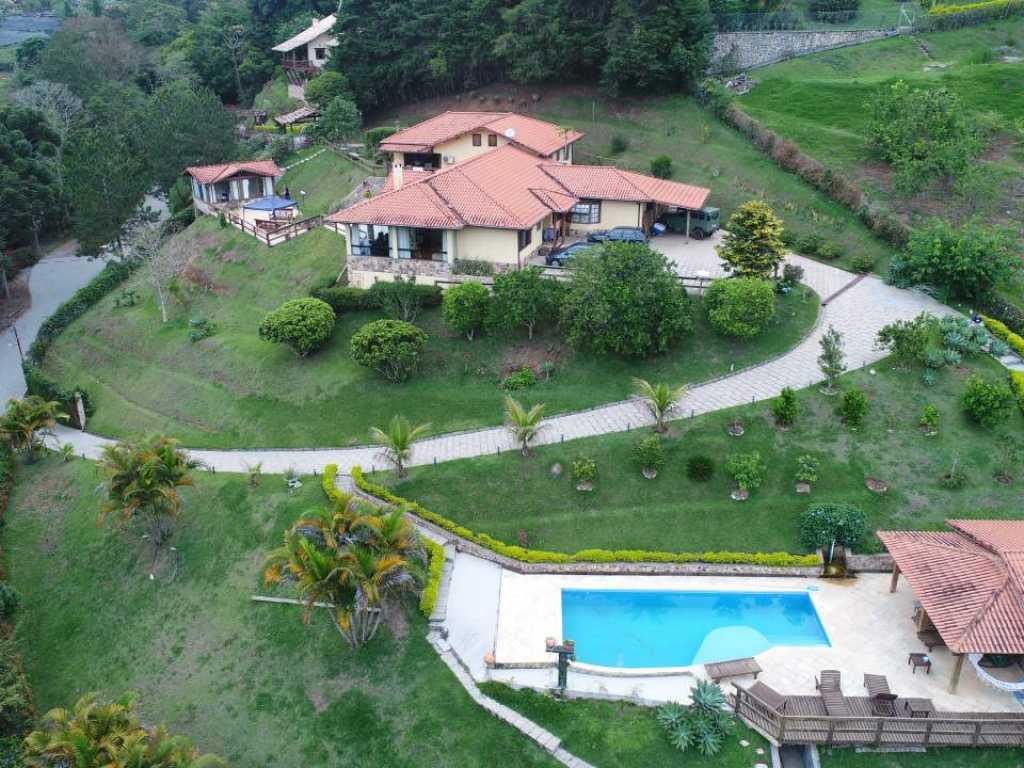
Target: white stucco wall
614,213
324,41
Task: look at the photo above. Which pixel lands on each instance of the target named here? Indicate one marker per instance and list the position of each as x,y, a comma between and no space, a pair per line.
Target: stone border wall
734,51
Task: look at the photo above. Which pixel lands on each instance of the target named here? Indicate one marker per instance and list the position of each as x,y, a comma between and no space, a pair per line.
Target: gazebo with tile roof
969,581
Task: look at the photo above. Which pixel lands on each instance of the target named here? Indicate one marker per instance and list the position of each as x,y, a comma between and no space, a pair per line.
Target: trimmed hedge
1001,331
435,552
345,298
968,14
774,559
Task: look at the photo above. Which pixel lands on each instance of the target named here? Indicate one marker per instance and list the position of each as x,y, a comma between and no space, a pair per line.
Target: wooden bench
722,669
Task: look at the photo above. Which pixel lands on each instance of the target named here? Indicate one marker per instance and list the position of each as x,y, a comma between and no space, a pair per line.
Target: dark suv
618,235
564,256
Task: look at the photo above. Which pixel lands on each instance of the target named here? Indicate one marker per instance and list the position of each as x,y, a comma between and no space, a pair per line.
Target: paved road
858,313
51,282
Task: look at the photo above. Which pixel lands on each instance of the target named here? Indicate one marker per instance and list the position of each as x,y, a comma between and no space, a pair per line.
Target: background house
230,184
306,54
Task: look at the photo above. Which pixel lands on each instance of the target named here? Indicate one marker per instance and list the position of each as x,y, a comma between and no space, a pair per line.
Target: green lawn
607,733
247,681
703,150
503,495
326,179
235,390
933,758
820,102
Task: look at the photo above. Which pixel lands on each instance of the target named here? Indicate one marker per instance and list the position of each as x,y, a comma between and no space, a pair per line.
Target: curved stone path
862,305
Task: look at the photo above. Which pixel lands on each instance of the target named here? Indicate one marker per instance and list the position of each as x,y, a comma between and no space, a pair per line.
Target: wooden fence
937,729
281,234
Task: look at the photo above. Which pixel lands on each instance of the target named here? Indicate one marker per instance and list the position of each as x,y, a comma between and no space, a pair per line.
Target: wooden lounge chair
734,668
931,639
771,698
830,687
883,701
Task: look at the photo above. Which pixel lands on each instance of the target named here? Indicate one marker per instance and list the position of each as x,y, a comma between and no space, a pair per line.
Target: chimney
397,167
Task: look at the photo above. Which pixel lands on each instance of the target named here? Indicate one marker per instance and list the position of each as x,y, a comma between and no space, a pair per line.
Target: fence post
977,734
878,731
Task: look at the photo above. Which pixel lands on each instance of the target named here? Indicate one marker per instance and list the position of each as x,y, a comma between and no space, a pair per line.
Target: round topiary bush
305,325
741,306
390,347
700,468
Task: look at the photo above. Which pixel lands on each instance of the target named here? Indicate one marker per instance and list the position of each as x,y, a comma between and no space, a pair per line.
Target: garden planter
736,429
556,470
740,494
875,485
803,487
649,473
584,487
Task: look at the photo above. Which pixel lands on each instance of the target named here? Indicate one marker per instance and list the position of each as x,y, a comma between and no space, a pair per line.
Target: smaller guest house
306,54
229,185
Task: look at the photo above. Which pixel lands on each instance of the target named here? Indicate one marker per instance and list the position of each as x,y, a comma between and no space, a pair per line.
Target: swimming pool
648,628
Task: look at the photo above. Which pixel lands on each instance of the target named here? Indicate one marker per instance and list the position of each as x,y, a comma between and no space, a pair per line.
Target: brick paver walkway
858,313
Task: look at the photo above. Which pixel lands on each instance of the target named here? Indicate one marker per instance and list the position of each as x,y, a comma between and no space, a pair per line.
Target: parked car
703,223
564,256
619,235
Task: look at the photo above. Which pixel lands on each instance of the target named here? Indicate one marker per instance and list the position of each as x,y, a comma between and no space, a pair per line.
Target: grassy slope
234,390
502,495
703,151
248,681
820,102
274,97
326,179
947,758
621,734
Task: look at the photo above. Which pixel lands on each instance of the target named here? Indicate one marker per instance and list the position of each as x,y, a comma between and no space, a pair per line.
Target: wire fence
804,19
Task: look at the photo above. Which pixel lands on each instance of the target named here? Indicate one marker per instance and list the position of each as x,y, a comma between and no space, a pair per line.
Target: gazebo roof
970,581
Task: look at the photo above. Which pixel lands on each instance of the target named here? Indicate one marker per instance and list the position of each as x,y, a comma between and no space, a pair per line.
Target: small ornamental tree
807,469
650,454
747,469
524,424
752,244
661,400
397,440
826,526
785,407
987,401
305,325
740,307
390,347
625,299
465,308
523,298
831,361
907,340
853,407
339,121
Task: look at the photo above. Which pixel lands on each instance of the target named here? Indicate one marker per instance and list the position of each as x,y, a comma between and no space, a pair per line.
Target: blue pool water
619,628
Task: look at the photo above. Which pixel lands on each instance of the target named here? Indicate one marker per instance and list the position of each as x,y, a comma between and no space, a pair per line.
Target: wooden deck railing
939,729
283,233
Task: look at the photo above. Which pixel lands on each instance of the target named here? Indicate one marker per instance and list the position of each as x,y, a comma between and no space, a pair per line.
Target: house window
525,238
492,140
477,140
320,53
587,212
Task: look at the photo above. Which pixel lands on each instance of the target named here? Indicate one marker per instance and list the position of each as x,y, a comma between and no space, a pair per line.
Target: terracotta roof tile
208,174
538,136
605,182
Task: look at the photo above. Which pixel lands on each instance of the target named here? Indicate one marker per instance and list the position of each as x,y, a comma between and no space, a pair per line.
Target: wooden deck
804,721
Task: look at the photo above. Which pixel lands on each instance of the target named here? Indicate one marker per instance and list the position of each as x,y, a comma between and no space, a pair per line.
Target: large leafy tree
141,480
752,244
228,52
625,299
30,194
524,298
352,559
339,121
108,735
88,52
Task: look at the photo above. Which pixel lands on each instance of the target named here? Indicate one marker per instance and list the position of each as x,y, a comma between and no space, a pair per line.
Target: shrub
465,308
435,570
618,145
649,452
390,347
625,299
9,600
325,87
824,526
305,325
200,328
785,407
907,340
833,11
402,299
17,713
741,306
747,469
700,468
853,407
987,401
807,469
1017,385
343,298
584,470
830,251
521,379
809,245
792,274
703,725
863,262
524,298
956,478
930,417
752,245
1001,331
472,267
661,167
372,137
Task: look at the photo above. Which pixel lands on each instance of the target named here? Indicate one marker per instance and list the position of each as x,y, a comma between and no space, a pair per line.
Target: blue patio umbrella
272,203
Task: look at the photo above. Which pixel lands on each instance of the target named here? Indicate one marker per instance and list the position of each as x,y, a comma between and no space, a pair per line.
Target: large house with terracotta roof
231,184
490,187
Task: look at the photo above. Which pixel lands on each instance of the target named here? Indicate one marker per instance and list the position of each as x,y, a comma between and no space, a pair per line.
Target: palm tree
142,479
397,440
523,424
27,420
660,398
350,560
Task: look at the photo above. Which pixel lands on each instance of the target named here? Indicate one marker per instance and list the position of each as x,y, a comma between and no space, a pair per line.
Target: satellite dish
510,133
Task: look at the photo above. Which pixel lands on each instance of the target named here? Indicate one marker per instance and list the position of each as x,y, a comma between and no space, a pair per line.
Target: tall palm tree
661,399
27,420
142,479
352,561
522,423
397,440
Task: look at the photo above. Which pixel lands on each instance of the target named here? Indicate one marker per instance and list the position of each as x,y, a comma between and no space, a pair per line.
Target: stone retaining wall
879,563
734,51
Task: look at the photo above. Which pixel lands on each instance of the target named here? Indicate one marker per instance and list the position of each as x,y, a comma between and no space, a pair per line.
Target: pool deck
871,631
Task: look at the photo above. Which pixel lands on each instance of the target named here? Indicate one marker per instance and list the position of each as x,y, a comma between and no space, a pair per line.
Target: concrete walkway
858,313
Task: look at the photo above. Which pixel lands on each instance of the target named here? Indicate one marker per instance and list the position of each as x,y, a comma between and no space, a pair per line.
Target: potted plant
649,455
584,472
736,428
747,470
806,473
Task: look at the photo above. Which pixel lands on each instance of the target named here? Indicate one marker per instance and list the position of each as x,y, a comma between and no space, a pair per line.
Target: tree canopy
29,188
